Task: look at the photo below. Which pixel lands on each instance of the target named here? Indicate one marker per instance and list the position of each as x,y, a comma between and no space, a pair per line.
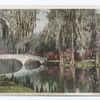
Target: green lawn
7,86
14,89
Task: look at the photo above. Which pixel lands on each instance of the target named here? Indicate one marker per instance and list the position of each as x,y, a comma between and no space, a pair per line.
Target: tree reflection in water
86,81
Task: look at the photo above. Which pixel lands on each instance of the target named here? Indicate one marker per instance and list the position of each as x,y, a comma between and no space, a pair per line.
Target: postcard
49,51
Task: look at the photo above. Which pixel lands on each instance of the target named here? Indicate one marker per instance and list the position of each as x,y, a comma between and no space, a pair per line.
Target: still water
46,78
41,82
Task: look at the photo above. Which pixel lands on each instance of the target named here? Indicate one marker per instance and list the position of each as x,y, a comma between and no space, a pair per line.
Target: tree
21,25
67,27
56,29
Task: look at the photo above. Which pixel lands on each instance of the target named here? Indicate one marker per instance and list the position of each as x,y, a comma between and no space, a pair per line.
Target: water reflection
8,66
46,78
44,82
32,64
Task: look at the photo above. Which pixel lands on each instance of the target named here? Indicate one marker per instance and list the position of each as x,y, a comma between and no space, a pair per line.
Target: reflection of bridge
22,57
24,72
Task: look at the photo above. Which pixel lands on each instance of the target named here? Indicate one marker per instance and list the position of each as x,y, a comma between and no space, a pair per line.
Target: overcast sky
42,21
98,11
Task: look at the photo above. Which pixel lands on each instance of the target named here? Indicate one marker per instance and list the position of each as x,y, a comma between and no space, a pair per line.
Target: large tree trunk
72,67
72,60
72,56
72,63
83,72
98,75
82,55
97,58
61,65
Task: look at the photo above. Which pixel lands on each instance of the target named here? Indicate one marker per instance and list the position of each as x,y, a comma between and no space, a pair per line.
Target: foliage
42,46
17,28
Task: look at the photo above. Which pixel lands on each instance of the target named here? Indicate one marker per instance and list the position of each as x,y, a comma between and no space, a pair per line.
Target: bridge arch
10,65
22,57
14,59
32,64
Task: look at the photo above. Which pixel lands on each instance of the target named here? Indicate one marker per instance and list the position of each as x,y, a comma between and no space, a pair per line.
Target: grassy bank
7,86
78,64
81,64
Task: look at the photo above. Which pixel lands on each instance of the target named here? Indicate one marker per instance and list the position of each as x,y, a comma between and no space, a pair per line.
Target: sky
98,11
42,21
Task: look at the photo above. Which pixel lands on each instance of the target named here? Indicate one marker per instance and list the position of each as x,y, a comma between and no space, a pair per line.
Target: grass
98,64
81,64
78,64
67,64
7,86
14,89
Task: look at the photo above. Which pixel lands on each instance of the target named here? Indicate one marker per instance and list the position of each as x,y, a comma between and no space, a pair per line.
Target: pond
46,79
44,82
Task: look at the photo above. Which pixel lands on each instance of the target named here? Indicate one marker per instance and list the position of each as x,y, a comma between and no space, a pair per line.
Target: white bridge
23,58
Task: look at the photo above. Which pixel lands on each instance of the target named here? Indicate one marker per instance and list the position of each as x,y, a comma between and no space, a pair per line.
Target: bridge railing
18,56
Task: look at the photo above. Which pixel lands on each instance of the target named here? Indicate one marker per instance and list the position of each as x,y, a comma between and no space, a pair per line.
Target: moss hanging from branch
4,28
